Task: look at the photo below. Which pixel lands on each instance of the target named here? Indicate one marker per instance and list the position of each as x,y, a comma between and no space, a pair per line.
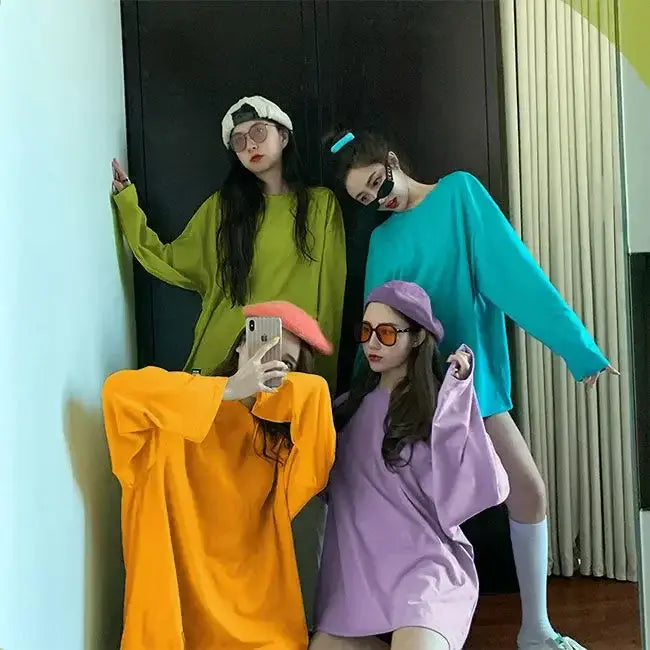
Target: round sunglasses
257,133
386,333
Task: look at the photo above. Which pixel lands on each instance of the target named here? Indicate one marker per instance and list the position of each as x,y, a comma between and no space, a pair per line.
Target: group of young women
214,465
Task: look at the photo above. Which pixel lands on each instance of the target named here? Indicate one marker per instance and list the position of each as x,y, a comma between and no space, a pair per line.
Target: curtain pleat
563,147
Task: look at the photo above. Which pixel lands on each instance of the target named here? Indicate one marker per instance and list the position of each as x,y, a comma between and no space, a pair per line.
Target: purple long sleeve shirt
394,555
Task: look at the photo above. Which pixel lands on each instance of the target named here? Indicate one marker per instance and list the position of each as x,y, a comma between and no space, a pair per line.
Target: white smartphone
261,330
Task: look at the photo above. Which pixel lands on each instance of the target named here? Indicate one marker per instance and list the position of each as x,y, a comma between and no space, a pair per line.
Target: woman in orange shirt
213,469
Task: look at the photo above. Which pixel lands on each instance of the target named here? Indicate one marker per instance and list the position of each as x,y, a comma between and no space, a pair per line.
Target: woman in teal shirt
452,239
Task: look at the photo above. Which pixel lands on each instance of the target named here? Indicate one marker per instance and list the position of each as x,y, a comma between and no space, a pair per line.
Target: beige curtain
566,202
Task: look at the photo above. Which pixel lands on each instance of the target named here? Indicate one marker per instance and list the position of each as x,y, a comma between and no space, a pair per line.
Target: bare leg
528,532
527,501
327,642
418,638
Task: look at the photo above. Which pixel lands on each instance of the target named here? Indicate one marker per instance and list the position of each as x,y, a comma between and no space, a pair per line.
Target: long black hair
412,402
276,436
242,208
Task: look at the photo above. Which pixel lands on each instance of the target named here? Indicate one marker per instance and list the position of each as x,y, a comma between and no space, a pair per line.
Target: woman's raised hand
120,179
251,378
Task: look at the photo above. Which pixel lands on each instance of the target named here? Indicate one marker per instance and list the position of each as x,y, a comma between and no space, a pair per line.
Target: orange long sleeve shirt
206,521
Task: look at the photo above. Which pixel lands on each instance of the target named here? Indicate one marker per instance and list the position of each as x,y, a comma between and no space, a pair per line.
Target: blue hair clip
339,144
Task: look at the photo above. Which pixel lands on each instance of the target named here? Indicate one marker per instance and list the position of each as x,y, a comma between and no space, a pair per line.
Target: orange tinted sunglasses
386,333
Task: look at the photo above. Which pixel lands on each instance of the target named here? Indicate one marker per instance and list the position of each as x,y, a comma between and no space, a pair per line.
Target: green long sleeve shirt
278,271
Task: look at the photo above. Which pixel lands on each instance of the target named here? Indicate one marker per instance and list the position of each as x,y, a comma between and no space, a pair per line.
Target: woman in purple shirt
413,463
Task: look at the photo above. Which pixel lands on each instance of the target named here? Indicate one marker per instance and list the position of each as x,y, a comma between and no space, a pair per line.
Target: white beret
252,108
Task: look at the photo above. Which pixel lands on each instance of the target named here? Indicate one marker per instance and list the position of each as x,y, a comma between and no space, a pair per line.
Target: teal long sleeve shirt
459,247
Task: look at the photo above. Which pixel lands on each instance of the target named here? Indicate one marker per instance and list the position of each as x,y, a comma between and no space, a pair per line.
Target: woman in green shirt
265,236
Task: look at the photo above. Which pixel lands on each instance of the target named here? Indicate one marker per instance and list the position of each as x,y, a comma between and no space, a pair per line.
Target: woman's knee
323,641
527,500
418,638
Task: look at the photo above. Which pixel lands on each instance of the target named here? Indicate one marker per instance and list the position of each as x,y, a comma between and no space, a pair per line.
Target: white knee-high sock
530,548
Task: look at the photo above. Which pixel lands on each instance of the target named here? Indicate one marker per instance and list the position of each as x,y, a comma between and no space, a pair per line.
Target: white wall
634,18
65,322
635,118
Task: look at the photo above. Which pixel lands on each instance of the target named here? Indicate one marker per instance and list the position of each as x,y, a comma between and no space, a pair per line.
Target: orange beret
294,320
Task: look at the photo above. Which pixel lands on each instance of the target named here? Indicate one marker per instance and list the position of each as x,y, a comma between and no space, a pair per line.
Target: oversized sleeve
341,399
508,275
304,401
467,475
140,406
331,287
189,261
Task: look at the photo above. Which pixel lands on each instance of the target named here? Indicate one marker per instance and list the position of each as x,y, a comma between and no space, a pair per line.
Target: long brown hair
276,436
412,402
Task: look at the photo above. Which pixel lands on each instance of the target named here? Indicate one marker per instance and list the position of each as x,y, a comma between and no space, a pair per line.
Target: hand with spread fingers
592,380
251,378
461,362
120,179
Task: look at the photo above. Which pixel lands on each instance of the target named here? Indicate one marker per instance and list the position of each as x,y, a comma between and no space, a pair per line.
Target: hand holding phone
255,375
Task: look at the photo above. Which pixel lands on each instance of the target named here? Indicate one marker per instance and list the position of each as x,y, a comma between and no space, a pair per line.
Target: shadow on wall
104,567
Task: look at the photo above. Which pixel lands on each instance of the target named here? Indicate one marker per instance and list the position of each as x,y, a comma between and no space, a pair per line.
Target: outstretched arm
508,275
141,405
187,262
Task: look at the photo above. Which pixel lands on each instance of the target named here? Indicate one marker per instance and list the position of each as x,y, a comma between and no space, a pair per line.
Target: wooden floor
600,614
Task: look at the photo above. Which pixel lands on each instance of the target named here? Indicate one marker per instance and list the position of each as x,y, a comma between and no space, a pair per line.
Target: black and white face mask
385,188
